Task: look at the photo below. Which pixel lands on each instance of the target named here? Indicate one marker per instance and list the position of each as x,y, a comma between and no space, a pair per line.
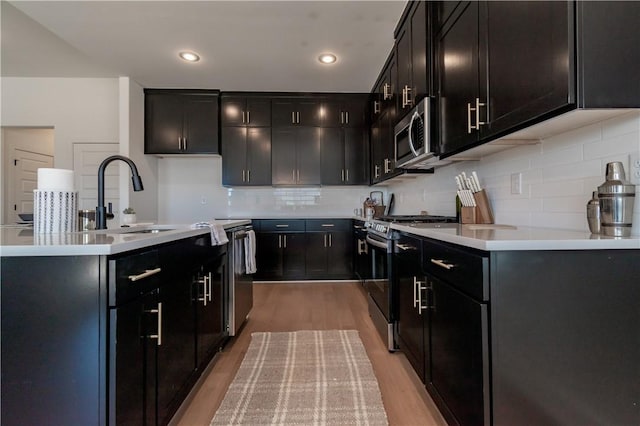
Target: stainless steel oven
379,283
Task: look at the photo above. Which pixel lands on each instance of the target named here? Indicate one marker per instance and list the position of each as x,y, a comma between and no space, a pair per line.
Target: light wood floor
317,306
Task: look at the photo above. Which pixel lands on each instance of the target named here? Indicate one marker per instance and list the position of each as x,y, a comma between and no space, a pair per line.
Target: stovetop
417,218
381,226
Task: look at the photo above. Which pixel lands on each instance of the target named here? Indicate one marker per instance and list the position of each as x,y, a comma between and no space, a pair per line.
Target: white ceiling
244,45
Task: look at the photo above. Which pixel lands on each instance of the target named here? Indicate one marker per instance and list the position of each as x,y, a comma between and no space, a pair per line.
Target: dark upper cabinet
245,111
413,55
344,111
296,112
503,66
246,156
181,121
459,80
295,156
356,156
345,142
383,122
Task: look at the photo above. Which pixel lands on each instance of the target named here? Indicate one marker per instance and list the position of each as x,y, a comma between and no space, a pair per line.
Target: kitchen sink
151,229
146,231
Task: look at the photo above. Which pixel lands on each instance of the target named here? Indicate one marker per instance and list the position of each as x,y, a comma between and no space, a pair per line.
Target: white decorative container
128,218
55,211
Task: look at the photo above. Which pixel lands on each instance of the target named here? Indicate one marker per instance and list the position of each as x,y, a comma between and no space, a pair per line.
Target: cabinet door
294,246
356,156
340,255
420,52
201,124
269,255
458,79
258,156
283,164
176,354
234,156
308,155
354,112
332,113
403,55
258,112
208,299
377,153
310,112
459,353
163,124
332,158
525,77
283,112
411,320
232,111
317,246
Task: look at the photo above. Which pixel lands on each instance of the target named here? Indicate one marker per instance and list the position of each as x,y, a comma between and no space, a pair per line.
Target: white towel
250,252
218,234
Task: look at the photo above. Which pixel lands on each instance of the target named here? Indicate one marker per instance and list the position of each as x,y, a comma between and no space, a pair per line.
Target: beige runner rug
303,378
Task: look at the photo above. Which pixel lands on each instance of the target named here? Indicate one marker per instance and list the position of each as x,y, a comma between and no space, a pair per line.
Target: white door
86,160
23,180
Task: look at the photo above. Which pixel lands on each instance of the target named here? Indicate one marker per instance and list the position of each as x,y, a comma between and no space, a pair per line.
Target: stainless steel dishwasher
239,280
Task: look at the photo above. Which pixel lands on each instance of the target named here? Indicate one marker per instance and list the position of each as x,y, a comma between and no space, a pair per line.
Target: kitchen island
513,325
102,327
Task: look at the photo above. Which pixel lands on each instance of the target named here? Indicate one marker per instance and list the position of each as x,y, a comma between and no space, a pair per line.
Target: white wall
558,177
144,202
184,182
79,110
89,110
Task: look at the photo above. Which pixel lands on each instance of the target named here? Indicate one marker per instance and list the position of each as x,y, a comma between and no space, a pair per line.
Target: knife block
481,213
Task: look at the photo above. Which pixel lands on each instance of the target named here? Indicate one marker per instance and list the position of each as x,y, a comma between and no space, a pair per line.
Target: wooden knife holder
481,213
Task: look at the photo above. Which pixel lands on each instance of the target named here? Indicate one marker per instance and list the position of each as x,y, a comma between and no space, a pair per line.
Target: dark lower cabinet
413,315
299,249
280,255
208,297
459,364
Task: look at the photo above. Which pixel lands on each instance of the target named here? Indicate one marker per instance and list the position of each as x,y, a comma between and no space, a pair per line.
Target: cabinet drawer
133,275
328,225
282,225
462,269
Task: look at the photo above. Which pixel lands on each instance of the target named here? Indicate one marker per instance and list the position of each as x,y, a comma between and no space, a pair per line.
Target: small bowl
27,217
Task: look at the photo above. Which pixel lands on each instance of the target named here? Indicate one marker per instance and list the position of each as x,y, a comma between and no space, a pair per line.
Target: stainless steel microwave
413,139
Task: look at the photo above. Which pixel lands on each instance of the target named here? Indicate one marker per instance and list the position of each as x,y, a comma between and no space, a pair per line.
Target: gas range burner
417,219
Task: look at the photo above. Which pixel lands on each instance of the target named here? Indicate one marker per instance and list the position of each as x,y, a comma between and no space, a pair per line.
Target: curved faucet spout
101,210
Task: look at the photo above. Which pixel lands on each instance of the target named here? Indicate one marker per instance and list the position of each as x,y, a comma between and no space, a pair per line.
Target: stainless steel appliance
382,293
413,147
240,282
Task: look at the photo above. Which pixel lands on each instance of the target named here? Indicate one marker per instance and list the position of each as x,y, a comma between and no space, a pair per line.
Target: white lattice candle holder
55,211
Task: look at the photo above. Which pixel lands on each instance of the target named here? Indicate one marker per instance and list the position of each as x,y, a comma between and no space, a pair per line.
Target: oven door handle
375,243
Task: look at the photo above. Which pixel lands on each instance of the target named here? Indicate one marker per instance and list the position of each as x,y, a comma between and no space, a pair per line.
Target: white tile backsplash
558,176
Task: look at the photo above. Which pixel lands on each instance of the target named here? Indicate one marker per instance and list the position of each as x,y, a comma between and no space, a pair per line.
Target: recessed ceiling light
327,58
189,56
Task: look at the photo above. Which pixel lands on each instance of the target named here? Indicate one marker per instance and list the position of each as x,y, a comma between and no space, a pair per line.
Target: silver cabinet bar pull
243,121
325,240
342,175
341,117
421,307
330,241
478,122
184,143
243,175
145,274
248,117
298,179
469,126
285,241
282,225
248,175
206,289
298,117
328,225
279,241
376,107
442,264
293,117
158,336
347,173
346,116
210,292
415,292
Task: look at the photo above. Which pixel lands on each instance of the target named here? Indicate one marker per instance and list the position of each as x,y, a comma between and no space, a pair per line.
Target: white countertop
504,237
21,241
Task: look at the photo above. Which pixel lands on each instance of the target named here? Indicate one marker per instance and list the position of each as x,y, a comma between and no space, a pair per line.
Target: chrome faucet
101,210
